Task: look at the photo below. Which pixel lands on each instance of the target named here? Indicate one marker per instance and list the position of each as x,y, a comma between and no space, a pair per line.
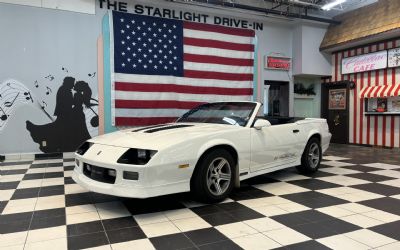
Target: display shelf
381,113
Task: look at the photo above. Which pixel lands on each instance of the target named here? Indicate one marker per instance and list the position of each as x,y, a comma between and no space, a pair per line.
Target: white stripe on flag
130,95
217,68
217,52
131,78
217,36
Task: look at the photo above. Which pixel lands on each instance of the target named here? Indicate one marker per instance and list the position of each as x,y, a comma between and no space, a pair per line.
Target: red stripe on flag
217,44
217,60
218,29
147,104
184,89
140,121
218,75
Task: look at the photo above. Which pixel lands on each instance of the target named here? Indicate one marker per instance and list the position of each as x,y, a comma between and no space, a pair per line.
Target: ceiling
291,9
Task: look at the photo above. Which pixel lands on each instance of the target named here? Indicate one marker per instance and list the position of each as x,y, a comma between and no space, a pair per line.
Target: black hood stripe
150,127
166,128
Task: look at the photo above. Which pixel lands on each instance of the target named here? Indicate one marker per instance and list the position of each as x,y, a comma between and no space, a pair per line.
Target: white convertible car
208,151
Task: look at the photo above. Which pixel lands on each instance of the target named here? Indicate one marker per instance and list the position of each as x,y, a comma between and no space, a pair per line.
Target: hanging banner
367,62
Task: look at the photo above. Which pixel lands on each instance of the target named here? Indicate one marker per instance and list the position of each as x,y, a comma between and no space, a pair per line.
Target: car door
273,146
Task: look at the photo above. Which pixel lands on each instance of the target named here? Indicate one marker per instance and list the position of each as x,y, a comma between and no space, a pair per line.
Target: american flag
164,67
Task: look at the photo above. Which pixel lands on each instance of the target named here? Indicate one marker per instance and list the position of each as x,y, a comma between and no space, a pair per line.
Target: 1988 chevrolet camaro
207,151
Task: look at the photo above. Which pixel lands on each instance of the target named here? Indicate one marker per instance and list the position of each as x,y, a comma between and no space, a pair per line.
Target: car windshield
232,113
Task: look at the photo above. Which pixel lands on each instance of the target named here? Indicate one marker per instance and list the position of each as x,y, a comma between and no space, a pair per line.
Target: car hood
162,136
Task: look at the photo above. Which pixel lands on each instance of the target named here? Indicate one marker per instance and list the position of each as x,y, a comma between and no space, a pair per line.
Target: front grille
99,173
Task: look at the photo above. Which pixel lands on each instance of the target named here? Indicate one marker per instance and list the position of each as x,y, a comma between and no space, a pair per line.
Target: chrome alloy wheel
314,155
218,176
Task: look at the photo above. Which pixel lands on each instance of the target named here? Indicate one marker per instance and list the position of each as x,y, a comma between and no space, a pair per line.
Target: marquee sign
277,62
367,62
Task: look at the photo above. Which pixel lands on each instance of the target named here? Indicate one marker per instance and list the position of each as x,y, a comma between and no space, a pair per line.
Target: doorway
335,109
276,98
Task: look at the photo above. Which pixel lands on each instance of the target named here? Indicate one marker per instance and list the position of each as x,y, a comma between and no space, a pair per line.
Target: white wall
308,60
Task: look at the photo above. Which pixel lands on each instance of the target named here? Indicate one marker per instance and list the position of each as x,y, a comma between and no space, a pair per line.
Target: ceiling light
329,6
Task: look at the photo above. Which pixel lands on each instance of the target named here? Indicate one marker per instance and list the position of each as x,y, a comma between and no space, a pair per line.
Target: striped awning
380,91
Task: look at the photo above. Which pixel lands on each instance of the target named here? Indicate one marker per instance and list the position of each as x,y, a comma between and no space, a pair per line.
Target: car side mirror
261,123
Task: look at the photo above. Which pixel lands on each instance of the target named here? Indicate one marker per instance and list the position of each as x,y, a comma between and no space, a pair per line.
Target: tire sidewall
305,160
206,161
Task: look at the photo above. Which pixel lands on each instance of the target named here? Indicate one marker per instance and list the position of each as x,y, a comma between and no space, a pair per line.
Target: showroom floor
353,202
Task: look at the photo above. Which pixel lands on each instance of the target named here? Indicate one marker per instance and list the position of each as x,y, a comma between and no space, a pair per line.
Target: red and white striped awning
380,91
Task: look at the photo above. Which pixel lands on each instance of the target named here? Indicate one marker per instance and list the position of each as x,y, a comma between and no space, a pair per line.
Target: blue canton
147,45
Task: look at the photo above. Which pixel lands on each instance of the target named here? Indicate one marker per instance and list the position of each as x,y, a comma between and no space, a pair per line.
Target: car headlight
84,147
136,156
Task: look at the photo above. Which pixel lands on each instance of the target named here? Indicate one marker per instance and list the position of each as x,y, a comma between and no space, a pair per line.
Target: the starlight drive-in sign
185,15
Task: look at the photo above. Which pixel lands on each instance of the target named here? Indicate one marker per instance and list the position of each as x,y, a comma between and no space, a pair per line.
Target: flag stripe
129,95
217,60
171,88
217,52
217,68
119,77
144,113
218,44
150,104
218,29
138,121
215,36
218,75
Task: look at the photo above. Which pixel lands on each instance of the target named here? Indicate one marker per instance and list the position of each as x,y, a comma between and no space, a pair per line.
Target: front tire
213,178
311,158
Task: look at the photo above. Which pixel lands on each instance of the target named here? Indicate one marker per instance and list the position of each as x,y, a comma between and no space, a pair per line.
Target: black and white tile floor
353,202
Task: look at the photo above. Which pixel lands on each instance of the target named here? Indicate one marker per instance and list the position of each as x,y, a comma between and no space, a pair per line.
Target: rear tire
213,178
311,158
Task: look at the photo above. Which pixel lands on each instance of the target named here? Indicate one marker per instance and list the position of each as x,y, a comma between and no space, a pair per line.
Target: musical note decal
64,69
49,77
9,85
9,104
36,84
4,116
28,96
48,90
43,108
92,74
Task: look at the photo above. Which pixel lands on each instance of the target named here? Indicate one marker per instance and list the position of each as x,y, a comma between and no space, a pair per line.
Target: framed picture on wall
337,99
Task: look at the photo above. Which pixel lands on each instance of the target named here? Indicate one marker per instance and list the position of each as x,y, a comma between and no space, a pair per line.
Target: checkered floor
353,202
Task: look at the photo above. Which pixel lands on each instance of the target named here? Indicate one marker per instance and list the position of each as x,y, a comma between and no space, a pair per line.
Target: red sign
274,62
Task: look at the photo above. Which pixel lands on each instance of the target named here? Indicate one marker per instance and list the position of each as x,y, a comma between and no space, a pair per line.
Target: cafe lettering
362,63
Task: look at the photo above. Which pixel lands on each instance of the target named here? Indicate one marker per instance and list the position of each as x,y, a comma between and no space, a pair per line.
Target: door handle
296,131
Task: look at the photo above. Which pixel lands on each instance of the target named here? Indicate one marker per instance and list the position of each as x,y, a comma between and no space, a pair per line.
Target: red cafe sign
274,62
367,62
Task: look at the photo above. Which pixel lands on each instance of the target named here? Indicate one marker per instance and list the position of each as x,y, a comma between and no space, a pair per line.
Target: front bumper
153,180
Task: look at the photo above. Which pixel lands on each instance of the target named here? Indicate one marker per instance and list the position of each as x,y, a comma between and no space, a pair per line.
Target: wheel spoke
217,187
221,164
225,177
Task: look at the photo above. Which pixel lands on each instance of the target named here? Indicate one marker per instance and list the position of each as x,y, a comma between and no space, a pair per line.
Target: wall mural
74,120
